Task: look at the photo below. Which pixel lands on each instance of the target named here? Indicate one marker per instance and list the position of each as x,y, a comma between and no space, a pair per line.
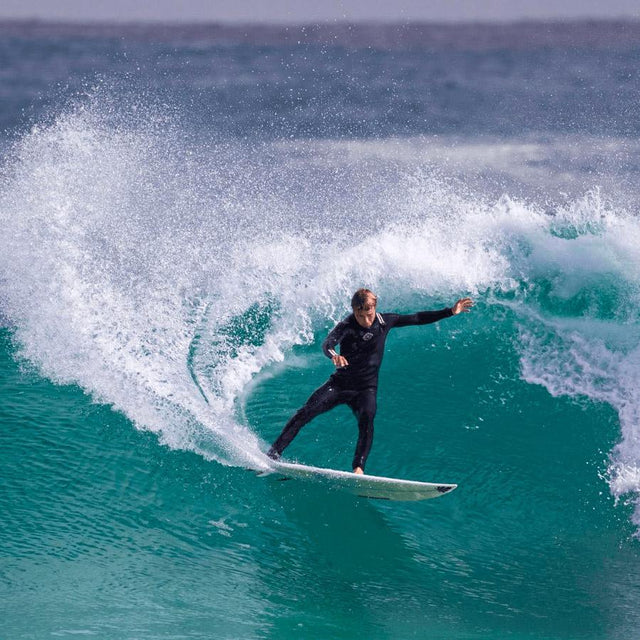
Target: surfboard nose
445,488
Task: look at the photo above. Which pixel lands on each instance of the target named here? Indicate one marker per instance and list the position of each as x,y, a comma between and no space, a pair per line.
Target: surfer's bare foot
358,470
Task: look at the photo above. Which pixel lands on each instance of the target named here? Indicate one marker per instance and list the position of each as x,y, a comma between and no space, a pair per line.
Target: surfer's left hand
462,306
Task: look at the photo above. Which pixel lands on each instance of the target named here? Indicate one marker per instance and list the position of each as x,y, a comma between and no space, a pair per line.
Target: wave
162,273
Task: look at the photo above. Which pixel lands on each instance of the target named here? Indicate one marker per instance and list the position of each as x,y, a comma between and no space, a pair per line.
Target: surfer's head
363,304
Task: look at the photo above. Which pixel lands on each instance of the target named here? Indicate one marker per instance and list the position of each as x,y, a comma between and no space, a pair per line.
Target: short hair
361,296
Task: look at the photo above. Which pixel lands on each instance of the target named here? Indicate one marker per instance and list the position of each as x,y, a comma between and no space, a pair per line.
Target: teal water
183,223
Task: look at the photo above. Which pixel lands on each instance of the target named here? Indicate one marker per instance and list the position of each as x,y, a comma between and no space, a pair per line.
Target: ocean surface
185,212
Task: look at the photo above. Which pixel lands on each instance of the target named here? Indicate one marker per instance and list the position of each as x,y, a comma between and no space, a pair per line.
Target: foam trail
99,280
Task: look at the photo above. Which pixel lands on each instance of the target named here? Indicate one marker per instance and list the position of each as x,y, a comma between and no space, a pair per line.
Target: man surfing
361,337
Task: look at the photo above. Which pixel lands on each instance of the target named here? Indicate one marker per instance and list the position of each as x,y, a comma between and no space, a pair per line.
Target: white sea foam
590,265
161,275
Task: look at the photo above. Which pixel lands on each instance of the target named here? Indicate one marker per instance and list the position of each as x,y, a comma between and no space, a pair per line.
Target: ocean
185,213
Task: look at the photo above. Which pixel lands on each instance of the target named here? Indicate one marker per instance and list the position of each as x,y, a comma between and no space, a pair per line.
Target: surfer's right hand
339,361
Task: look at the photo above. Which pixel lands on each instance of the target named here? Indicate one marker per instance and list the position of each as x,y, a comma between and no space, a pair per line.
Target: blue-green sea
184,215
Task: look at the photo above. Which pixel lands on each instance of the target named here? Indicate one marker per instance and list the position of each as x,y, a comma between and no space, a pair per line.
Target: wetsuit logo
367,336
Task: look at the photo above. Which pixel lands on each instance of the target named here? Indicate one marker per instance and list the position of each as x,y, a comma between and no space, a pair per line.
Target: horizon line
317,23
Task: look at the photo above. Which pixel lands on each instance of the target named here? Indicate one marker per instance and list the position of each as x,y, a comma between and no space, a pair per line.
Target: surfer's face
366,314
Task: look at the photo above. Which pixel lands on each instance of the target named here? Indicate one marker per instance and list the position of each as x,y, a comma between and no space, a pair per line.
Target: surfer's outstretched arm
427,317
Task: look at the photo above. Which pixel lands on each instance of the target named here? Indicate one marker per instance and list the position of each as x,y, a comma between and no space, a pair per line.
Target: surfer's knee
365,418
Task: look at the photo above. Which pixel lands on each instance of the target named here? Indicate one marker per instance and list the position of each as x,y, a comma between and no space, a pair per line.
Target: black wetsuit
355,385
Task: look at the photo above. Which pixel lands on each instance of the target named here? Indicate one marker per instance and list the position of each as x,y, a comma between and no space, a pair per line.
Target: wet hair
361,296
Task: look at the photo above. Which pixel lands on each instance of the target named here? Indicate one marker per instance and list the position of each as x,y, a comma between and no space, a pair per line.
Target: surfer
361,337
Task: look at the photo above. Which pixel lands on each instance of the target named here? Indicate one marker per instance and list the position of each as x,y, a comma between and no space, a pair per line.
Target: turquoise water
167,275
114,535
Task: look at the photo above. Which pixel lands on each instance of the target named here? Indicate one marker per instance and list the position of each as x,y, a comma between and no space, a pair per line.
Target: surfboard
363,485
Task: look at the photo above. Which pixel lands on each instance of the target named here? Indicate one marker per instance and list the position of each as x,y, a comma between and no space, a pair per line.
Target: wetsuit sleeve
422,317
334,337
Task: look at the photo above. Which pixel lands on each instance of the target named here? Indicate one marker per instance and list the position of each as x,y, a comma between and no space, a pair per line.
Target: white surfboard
364,485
